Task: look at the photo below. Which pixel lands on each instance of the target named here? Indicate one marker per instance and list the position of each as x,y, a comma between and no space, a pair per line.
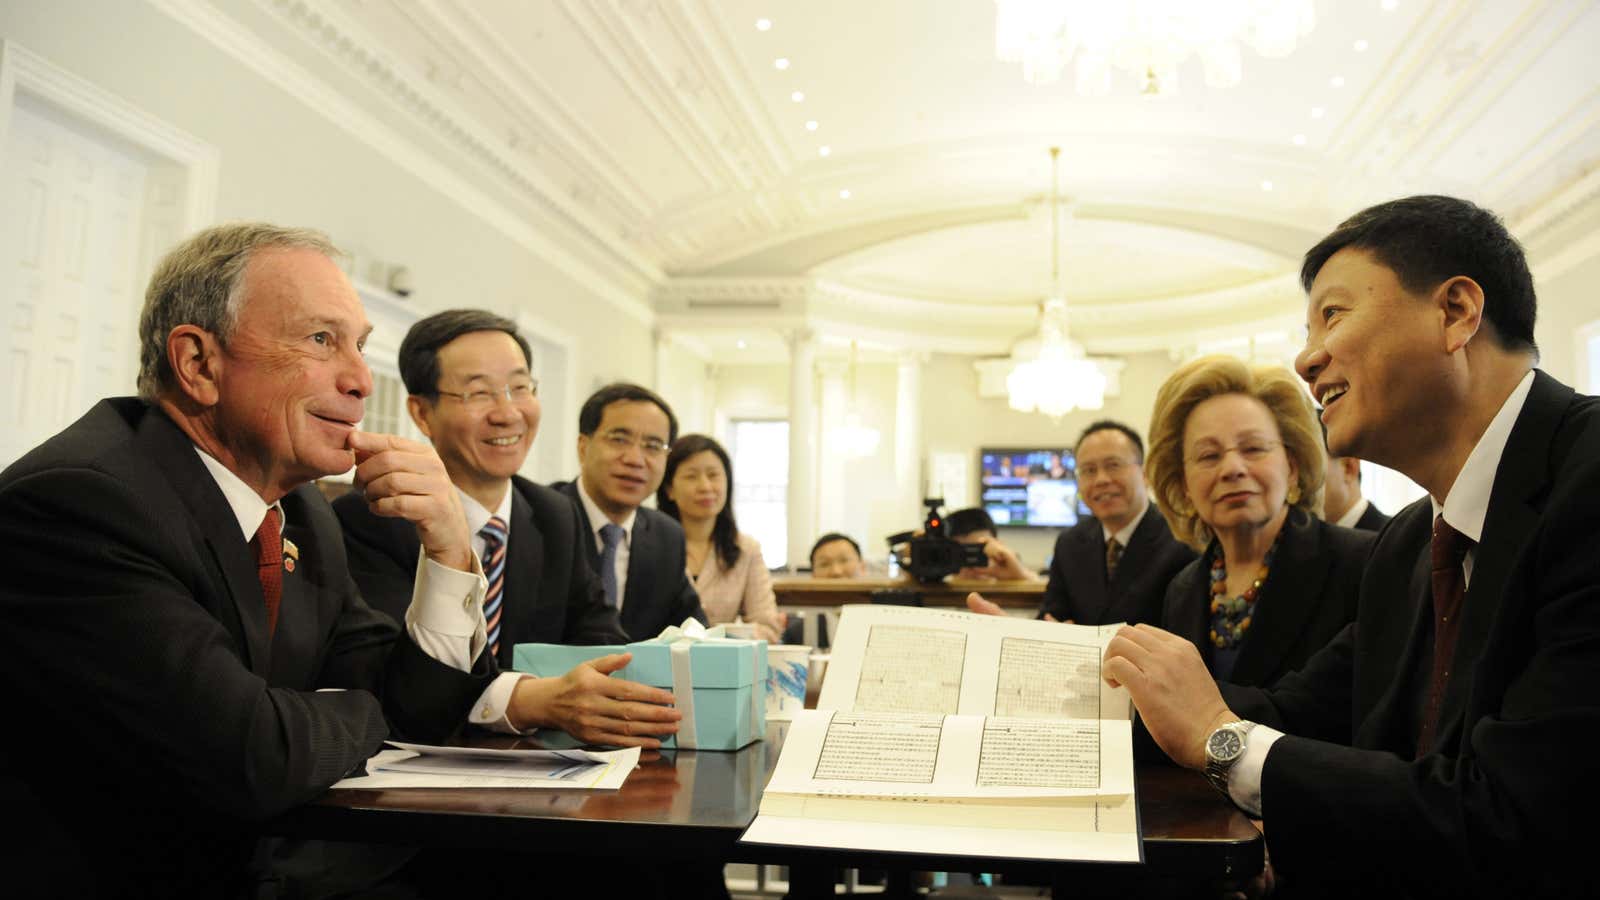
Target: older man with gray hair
178,629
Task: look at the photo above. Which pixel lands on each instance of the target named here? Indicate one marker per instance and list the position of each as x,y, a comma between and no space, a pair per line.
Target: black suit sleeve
385,576
107,632
686,602
1057,599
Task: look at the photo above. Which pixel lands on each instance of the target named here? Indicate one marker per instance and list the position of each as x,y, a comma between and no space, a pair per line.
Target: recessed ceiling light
1336,81
1318,112
1299,140
781,62
1266,185
844,194
1360,46
1388,5
811,125
763,24
824,150
797,96
741,344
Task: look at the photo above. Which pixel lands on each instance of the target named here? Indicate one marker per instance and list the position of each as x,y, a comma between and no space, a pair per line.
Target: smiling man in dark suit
1114,567
184,650
469,374
1443,744
624,432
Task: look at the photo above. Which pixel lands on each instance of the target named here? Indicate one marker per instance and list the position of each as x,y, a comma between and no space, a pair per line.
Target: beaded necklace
1230,616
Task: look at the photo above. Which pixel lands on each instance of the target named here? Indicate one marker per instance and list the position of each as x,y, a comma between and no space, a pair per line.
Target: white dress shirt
598,520
1464,508
490,710
1126,534
1353,514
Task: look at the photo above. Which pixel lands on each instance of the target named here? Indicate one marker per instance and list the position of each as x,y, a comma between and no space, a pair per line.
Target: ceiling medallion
1050,372
1147,38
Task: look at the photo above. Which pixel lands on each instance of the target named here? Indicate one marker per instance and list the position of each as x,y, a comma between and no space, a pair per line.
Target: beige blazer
744,591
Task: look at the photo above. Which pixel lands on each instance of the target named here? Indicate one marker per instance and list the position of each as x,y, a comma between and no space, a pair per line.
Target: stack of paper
426,766
944,732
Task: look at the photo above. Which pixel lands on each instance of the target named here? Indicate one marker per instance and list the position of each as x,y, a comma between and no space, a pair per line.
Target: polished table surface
696,804
803,590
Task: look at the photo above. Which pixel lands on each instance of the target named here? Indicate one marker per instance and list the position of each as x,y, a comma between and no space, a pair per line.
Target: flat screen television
1030,487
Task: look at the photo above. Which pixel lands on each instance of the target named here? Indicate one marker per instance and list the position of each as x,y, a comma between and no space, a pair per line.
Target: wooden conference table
803,590
695,805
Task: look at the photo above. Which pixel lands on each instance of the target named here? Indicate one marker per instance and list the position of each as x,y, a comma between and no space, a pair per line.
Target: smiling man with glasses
624,431
474,395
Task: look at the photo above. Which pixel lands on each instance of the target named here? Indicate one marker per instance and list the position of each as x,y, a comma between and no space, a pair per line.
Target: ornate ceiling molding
549,231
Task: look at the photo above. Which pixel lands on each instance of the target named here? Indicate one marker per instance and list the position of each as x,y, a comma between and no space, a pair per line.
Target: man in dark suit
624,431
1342,503
1114,567
185,651
473,394
1443,743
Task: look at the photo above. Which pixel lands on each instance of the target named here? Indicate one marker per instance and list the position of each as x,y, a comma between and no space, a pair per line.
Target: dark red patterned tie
1449,588
269,564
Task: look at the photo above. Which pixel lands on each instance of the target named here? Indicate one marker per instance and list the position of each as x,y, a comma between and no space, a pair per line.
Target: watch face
1224,745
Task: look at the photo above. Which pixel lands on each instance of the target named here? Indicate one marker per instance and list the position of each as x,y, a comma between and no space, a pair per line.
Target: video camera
933,554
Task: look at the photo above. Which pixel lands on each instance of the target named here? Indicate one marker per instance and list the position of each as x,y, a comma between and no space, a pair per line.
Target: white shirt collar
478,514
1353,514
246,504
1467,504
598,519
1126,534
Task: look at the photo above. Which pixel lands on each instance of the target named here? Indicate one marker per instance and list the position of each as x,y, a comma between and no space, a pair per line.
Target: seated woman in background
836,555
1236,465
726,566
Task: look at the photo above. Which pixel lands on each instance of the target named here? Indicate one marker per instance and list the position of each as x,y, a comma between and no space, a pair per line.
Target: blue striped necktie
494,568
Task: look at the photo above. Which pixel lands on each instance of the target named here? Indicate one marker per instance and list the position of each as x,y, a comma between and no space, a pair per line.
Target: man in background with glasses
472,392
624,431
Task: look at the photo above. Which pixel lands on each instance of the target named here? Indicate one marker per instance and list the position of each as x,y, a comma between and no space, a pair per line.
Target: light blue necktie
494,568
610,536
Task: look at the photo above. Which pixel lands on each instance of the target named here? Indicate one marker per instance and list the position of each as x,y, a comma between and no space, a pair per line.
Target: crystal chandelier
1051,374
1148,38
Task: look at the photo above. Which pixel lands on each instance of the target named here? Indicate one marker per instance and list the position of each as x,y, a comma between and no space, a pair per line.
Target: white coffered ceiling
657,149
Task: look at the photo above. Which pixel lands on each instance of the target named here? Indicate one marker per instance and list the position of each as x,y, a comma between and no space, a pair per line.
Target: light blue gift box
728,701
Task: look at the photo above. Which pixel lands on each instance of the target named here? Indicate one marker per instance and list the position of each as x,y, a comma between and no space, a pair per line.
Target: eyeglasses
620,441
516,392
1112,467
1211,458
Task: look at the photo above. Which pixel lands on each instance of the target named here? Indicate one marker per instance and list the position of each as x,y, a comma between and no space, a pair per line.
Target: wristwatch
1223,749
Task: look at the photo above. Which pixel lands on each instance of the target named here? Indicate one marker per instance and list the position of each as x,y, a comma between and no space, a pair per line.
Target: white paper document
420,766
945,732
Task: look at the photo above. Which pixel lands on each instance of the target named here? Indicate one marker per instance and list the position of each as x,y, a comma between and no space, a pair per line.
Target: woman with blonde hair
1236,466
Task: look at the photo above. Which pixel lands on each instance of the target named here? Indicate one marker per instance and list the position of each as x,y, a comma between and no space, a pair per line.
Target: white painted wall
282,162
1567,302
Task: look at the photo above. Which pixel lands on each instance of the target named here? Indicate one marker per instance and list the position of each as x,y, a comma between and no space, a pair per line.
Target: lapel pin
290,554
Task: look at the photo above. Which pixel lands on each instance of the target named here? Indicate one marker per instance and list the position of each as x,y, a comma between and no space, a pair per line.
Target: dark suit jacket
1504,804
658,592
551,594
1372,520
1308,597
146,697
1077,589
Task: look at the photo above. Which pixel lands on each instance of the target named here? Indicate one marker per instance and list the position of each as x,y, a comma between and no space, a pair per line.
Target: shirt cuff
1244,778
445,617
490,710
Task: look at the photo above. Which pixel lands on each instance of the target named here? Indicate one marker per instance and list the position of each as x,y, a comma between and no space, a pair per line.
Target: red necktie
269,564
1449,588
